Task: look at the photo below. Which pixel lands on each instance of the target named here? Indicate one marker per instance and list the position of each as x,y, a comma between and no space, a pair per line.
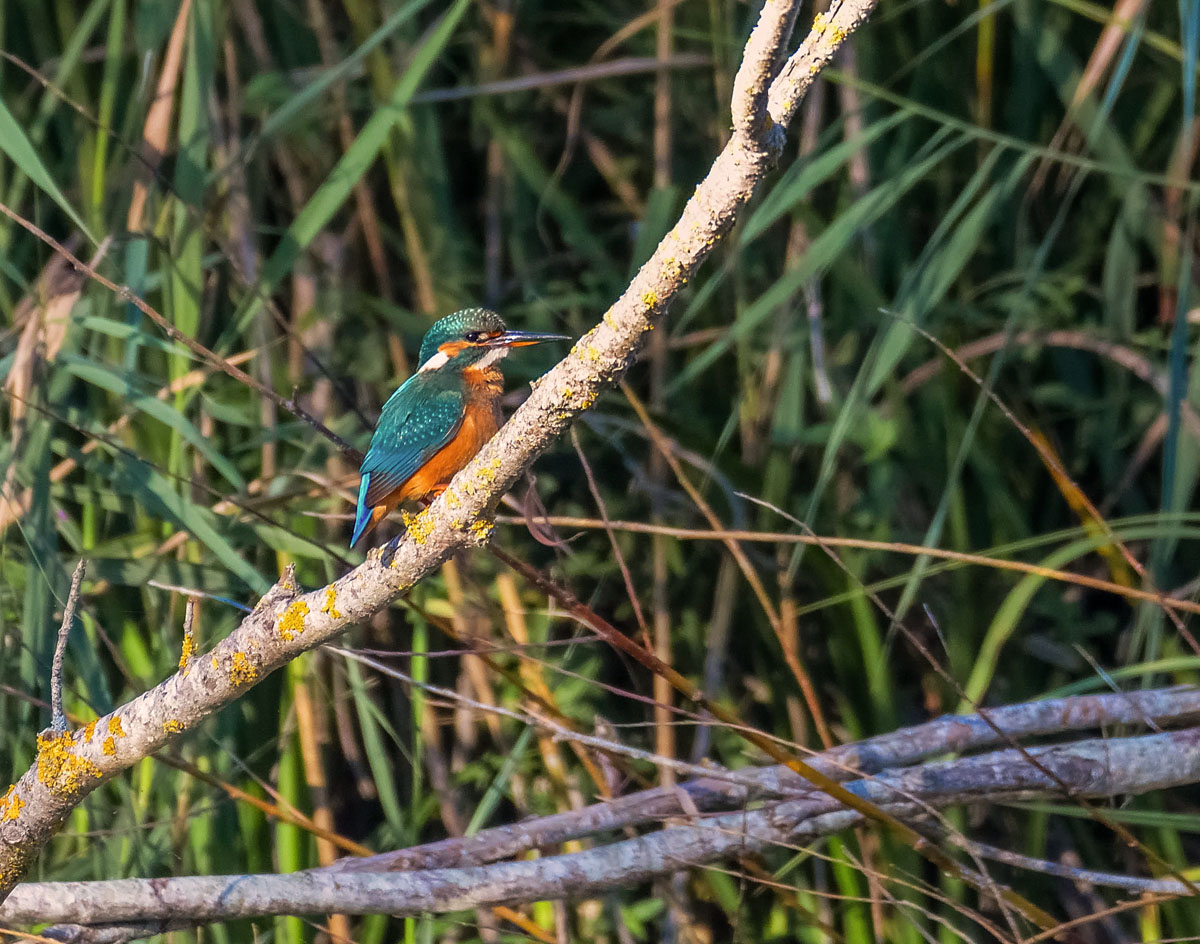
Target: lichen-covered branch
828,33
1094,768
288,621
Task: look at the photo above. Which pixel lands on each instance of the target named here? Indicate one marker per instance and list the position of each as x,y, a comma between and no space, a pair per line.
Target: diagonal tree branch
1095,768
287,621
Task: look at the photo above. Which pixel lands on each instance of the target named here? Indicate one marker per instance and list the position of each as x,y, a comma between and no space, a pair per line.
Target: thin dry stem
58,719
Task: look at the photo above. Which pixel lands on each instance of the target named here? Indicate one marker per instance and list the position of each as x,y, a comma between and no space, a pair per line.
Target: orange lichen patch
172,726
88,730
189,650
59,769
109,747
10,805
330,604
241,672
481,530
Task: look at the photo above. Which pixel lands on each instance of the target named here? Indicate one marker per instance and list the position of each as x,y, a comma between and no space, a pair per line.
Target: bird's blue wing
417,421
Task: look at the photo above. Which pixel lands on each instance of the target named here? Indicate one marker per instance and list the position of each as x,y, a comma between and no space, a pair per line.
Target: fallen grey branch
287,621
949,734
1094,768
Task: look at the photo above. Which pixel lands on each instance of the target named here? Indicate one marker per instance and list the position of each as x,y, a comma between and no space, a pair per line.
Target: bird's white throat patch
440,359
494,354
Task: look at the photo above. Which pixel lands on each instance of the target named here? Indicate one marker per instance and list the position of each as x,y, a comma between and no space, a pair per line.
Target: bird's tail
362,515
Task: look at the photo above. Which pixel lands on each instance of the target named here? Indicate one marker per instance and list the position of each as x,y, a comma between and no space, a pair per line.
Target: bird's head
472,338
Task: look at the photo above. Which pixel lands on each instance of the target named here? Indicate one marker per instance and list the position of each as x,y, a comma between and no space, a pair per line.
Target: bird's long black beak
522,338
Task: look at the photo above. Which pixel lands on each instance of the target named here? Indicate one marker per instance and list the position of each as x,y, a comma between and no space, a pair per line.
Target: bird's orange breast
481,419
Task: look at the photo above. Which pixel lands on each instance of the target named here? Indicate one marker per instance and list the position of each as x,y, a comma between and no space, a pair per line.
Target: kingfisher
439,418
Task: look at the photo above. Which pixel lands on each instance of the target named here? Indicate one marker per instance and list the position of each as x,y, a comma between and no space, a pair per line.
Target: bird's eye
474,336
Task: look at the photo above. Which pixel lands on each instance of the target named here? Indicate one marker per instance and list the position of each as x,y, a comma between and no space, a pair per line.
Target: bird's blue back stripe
362,514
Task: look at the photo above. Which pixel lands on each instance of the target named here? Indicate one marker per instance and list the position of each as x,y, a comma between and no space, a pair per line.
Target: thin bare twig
1173,601
630,589
58,719
1162,886
633,65
790,654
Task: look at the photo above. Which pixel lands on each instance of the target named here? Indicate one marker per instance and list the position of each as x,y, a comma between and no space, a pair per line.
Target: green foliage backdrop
303,186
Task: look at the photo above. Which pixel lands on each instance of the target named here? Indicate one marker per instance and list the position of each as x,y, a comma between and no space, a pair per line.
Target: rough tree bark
288,621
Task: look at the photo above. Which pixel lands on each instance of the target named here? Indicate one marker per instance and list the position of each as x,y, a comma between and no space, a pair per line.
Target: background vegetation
303,186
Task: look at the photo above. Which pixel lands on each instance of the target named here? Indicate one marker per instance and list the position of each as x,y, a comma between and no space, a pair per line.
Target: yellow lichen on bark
188,651
291,624
59,768
10,805
115,730
418,526
330,604
241,672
